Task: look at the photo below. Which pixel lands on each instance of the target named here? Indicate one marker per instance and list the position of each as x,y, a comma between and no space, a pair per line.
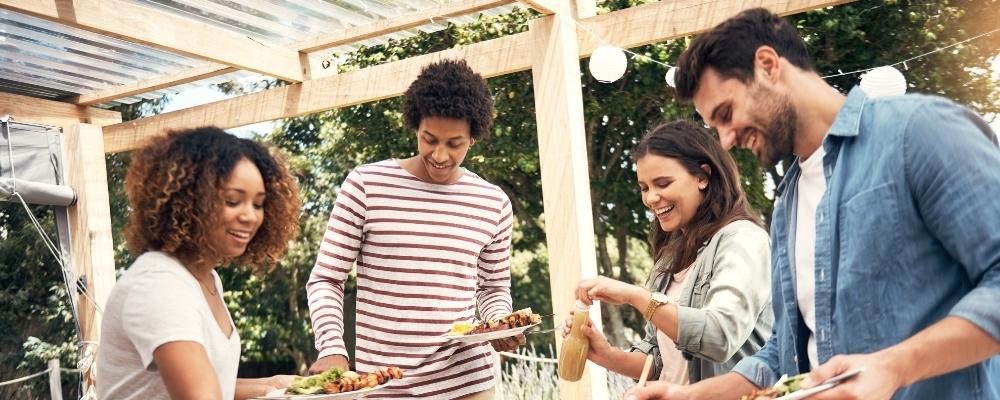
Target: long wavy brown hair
723,202
174,187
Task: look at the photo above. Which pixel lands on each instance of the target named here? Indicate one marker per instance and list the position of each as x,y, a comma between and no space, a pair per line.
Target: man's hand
658,390
880,379
508,343
610,291
328,362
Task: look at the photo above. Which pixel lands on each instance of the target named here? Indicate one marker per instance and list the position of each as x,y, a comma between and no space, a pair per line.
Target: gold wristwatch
655,301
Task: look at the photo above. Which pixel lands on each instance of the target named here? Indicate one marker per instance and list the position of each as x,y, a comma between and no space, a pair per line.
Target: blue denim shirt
907,233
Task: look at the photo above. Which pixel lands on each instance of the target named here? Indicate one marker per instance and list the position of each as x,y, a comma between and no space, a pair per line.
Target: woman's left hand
609,291
508,343
277,382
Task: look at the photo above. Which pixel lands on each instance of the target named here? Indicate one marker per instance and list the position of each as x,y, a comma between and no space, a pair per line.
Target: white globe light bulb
670,76
883,81
608,64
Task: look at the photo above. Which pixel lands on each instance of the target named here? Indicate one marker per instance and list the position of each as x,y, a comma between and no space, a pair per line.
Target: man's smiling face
754,116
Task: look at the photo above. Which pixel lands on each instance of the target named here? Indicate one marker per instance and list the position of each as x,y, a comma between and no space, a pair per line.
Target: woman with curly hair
431,241
199,198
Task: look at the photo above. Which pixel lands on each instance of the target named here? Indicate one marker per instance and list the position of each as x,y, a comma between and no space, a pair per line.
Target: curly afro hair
174,187
450,89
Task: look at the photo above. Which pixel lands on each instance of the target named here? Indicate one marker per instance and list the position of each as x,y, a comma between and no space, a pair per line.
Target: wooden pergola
551,48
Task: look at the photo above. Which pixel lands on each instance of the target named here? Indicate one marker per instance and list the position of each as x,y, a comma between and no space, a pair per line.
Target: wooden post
93,256
562,151
55,380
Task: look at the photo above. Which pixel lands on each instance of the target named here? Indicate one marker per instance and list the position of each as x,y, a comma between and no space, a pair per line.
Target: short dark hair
729,49
450,89
724,202
174,183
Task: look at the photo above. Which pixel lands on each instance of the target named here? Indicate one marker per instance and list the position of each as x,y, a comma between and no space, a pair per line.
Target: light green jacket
724,310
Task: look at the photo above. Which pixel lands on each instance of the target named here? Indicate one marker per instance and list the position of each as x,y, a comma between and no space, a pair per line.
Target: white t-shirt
812,184
157,301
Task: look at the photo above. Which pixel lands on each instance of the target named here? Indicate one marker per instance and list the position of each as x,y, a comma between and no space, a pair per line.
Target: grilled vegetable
336,381
314,384
789,386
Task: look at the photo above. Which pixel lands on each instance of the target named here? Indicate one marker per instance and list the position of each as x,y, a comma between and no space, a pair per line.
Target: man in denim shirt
886,230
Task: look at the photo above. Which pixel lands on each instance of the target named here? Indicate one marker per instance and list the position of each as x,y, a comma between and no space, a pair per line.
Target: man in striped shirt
431,242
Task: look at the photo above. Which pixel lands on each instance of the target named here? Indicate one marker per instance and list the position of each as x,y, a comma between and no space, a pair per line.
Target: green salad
791,385
314,384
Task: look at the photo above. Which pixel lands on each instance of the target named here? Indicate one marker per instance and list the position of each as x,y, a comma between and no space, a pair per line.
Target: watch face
660,297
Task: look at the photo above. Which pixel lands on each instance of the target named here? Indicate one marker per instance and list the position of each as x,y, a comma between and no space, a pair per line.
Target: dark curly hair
450,89
174,190
730,47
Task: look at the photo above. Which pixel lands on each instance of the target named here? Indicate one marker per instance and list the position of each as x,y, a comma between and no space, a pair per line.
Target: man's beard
779,131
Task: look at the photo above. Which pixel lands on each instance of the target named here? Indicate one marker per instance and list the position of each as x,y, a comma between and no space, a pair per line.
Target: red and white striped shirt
427,255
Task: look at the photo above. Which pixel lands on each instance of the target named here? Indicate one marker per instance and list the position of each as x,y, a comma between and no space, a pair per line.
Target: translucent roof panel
69,61
46,59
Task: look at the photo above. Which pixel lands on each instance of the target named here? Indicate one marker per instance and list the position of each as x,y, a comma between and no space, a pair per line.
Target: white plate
829,383
280,394
487,336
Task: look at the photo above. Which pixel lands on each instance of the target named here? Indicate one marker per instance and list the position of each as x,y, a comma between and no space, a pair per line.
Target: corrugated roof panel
80,40
49,60
40,53
32,90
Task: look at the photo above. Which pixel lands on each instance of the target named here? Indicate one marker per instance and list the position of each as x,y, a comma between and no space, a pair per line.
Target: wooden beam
53,113
562,153
671,19
548,7
654,22
492,58
347,36
136,23
92,255
149,85
585,8
396,24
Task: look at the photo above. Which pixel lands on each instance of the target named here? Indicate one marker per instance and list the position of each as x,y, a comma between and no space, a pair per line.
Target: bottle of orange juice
573,357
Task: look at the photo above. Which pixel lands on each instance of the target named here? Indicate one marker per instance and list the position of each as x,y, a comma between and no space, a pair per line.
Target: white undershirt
811,185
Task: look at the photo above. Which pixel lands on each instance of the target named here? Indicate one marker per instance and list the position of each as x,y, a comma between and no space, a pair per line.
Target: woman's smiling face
671,192
241,212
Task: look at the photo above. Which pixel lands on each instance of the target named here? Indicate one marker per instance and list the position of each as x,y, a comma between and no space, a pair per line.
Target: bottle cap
581,306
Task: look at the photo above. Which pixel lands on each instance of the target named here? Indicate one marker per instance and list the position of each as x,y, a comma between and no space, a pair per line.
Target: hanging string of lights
609,62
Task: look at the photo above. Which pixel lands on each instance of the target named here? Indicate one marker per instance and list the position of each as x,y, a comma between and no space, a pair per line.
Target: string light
883,81
669,77
671,70
607,58
608,63
937,50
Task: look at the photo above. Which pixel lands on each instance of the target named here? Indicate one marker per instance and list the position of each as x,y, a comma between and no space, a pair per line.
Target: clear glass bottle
573,356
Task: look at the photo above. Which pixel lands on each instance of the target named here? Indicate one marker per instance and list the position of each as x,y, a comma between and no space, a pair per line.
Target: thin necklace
210,291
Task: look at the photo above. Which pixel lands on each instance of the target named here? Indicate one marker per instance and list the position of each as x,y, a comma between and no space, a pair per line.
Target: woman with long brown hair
708,297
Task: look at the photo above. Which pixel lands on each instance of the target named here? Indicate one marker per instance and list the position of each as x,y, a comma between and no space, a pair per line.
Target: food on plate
335,381
460,328
517,319
783,388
